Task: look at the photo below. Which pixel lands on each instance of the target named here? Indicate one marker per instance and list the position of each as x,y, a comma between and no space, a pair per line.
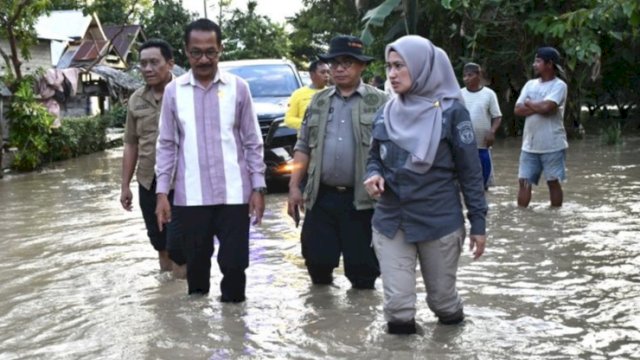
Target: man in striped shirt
210,145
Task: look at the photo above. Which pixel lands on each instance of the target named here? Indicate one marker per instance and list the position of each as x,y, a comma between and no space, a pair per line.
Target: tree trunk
15,60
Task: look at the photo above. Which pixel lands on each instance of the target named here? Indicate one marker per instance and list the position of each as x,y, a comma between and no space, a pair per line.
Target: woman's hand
477,244
374,186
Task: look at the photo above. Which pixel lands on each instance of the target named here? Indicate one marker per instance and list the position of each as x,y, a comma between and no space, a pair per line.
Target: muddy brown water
79,280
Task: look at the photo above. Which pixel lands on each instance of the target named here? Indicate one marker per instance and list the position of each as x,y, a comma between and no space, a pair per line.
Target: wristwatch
260,190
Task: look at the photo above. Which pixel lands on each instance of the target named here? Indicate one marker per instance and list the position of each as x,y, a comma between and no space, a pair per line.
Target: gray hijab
414,120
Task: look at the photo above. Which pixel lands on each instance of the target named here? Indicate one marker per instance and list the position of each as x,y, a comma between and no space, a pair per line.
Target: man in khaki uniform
141,132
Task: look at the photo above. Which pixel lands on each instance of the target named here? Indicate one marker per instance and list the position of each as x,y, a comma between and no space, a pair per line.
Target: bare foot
165,262
179,271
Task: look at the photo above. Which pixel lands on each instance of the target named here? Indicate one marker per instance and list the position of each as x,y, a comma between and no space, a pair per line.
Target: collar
359,90
189,79
475,91
147,93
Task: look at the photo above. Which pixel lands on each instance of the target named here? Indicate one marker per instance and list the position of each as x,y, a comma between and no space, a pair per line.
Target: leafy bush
116,116
78,136
30,127
612,135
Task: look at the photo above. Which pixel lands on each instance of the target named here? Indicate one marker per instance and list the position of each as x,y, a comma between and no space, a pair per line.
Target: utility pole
205,8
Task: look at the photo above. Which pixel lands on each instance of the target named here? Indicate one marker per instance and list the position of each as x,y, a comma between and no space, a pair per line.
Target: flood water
79,279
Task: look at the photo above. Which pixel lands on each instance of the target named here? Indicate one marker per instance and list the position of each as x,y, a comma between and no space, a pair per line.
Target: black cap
549,53
346,45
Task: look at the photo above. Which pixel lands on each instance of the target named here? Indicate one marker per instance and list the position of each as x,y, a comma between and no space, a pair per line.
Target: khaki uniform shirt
141,129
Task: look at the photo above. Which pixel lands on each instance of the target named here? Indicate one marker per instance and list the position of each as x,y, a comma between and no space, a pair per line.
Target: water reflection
78,279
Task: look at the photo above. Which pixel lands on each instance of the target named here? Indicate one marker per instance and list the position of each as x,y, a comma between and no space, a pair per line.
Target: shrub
78,136
30,127
116,116
612,135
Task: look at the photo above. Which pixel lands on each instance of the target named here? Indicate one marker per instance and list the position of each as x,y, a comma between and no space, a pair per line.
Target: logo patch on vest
371,99
465,132
383,152
321,102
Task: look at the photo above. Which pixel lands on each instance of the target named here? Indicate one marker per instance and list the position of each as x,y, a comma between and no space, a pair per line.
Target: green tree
169,12
502,36
317,23
119,12
248,35
30,127
17,21
583,31
221,10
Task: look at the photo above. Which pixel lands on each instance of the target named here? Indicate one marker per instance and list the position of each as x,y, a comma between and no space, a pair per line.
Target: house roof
66,58
117,77
63,25
122,37
131,80
89,50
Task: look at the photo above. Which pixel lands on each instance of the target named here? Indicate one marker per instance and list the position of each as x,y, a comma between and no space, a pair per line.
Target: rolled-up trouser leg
397,260
439,266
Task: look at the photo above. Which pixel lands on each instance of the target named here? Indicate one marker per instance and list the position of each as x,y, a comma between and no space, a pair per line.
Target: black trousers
230,224
334,227
147,201
169,238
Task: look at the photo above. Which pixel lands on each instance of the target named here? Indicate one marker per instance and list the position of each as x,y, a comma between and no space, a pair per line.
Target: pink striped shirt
209,142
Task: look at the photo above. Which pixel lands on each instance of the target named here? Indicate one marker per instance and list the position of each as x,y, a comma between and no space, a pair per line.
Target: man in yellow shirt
319,73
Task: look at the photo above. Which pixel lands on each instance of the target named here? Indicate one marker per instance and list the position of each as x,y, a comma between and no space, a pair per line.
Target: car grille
265,122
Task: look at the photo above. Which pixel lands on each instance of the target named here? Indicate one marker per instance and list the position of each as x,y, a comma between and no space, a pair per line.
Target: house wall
40,57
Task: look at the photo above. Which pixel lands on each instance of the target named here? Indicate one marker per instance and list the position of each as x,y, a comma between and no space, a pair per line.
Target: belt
337,189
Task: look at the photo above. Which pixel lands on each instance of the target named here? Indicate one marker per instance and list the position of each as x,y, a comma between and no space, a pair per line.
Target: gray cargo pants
438,264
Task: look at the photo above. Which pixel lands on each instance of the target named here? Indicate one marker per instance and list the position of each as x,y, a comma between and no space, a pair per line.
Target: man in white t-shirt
544,139
486,117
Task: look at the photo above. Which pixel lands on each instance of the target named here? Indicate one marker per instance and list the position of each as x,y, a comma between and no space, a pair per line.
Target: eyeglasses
209,53
346,64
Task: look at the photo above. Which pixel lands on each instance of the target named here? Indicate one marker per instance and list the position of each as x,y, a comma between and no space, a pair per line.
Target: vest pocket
366,123
309,183
313,129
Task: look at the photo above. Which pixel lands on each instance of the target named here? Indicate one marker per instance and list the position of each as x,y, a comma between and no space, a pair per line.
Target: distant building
65,38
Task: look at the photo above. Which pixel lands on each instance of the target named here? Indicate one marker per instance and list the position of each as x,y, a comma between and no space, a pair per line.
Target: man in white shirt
544,139
486,117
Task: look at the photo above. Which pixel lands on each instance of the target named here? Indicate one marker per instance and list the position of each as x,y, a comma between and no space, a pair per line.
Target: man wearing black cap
332,151
544,139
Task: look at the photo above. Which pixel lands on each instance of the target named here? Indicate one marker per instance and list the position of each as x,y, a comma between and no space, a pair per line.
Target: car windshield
267,80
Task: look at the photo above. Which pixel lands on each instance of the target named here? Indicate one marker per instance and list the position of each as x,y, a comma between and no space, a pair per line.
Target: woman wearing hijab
423,155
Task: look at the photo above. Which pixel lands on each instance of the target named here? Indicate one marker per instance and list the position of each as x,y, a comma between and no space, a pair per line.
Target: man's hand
126,198
489,139
374,186
295,200
478,242
256,207
163,210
